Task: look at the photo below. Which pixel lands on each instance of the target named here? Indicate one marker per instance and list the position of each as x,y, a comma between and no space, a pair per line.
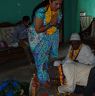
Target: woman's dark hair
42,4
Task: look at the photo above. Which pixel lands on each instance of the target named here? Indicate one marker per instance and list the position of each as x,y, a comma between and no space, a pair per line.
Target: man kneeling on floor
78,67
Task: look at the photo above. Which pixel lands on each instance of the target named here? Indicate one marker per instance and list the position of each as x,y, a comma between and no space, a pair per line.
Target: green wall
71,18
13,10
88,6
72,9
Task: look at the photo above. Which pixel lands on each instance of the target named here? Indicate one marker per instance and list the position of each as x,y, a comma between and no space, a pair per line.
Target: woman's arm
40,27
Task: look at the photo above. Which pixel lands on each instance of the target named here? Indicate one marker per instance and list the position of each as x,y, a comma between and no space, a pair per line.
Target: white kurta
77,73
85,55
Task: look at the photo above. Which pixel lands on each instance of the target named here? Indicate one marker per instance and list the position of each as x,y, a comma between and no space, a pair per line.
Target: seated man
21,30
77,66
21,35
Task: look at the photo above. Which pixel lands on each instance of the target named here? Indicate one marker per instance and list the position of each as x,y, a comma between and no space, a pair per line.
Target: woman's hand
40,27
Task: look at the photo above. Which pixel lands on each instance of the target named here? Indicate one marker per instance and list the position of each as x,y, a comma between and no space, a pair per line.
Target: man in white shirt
77,66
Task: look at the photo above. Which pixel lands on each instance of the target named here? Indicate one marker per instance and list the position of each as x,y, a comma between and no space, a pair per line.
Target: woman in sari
44,36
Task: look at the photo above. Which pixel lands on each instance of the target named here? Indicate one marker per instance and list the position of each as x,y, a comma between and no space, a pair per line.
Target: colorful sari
43,46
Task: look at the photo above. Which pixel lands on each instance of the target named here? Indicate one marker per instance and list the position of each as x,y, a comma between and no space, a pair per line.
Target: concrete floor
22,73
